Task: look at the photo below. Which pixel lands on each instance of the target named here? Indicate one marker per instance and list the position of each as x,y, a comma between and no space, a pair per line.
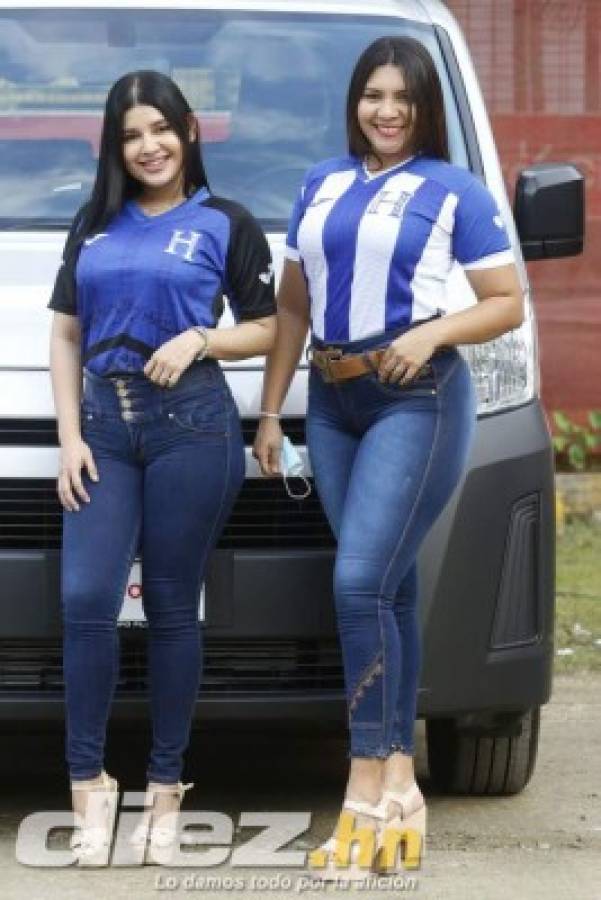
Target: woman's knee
353,574
357,582
85,602
168,619
364,583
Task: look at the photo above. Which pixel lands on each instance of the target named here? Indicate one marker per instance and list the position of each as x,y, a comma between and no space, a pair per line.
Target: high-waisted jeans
170,464
386,459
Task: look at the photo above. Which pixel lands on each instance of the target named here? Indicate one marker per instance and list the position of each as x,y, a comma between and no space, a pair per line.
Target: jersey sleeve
480,239
64,298
249,277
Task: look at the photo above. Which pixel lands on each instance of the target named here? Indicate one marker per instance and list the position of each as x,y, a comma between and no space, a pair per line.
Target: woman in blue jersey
152,455
391,407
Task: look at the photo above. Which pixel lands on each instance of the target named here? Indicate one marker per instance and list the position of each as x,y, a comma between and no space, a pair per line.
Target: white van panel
413,9
27,393
43,462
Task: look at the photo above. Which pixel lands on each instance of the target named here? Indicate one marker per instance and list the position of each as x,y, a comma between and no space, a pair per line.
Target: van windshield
268,90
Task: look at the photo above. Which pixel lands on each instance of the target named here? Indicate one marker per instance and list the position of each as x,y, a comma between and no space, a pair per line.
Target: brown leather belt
336,366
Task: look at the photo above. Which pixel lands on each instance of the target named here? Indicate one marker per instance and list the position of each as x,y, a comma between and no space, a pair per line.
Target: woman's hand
500,308
74,455
406,355
172,358
268,445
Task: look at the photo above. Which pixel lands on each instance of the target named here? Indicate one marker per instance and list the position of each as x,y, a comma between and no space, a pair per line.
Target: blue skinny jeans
386,460
170,464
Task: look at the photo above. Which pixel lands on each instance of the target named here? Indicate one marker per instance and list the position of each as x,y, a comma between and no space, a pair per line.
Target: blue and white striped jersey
376,249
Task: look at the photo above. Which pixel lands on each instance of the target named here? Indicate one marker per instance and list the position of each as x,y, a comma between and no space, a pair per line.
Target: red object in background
539,65
566,291
214,127
526,139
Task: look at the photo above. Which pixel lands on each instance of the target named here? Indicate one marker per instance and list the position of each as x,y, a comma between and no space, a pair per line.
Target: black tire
461,762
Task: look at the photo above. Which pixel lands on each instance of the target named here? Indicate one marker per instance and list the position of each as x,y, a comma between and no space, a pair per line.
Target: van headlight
505,370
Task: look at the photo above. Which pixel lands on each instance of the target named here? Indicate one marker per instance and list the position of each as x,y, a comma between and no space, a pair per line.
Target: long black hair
423,88
113,185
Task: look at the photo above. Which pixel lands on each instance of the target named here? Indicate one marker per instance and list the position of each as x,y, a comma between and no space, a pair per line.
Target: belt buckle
330,353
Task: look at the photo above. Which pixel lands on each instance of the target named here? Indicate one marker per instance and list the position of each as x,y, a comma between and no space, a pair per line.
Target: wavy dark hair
423,88
113,185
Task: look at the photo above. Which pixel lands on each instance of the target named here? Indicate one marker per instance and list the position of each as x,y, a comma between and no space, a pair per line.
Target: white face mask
291,465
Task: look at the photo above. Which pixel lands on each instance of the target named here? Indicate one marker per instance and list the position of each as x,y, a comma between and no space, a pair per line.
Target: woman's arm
500,308
254,338
65,375
171,359
292,326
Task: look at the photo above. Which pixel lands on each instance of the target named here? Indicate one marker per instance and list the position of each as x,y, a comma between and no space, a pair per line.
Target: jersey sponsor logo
95,237
389,203
183,243
266,277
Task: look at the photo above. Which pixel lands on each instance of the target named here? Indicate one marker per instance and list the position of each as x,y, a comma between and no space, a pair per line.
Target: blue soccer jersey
145,279
377,249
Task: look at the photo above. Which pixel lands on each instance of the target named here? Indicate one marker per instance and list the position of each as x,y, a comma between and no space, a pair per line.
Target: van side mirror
549,210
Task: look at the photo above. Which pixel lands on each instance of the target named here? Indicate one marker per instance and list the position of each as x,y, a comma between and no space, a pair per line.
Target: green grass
578,595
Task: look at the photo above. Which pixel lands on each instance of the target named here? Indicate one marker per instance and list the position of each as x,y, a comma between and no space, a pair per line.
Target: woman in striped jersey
391,409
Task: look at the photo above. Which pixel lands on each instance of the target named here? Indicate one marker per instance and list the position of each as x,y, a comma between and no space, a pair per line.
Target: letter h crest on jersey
389,203
183,243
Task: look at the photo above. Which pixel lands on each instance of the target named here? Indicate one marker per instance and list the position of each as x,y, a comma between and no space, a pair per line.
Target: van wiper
43,223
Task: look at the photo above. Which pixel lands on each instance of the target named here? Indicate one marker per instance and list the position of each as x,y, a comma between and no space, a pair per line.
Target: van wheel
464,762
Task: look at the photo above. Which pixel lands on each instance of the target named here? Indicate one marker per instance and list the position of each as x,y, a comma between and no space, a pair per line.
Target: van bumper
486,570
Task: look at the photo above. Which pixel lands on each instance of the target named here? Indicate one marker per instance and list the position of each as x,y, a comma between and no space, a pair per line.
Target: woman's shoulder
238,224
456,179
329,166
232,209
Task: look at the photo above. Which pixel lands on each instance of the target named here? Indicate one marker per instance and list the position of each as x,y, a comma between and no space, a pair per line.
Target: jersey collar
139,215
368,176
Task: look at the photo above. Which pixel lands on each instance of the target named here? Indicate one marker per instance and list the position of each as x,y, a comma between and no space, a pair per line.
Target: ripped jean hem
378,751
398,747
89,776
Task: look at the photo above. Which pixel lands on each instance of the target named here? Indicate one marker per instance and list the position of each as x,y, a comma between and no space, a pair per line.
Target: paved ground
543,843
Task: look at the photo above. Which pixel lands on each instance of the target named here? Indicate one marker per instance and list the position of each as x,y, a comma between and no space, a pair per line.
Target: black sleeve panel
248,276
63,297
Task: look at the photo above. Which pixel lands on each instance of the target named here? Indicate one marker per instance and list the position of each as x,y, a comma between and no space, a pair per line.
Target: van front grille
264,517
28,433
43,433
257,668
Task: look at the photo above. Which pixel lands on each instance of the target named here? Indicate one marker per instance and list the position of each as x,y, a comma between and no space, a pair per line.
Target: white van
268,82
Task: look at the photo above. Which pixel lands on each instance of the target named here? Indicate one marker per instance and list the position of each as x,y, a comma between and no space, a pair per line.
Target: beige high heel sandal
157,833
91,841
412,825
340,860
